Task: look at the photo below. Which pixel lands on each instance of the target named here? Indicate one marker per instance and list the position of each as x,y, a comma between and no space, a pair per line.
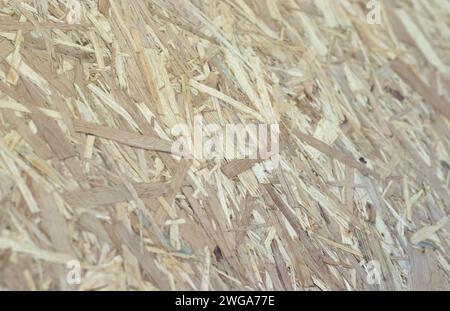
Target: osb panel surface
86,112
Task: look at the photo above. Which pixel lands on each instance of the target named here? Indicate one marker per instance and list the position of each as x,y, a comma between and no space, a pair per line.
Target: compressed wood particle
94,197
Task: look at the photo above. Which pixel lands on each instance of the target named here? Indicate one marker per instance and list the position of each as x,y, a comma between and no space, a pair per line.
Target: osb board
85,117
